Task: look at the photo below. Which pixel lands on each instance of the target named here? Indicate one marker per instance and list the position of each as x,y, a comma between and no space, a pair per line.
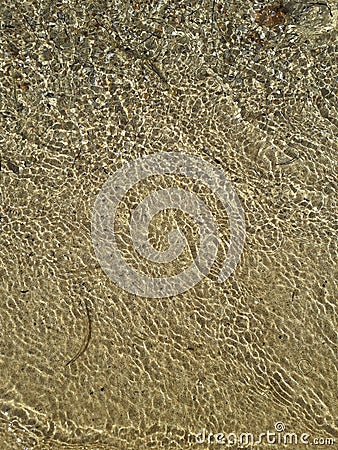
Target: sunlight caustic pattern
116,187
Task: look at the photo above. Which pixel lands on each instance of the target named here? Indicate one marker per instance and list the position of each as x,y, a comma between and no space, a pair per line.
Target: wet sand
88,87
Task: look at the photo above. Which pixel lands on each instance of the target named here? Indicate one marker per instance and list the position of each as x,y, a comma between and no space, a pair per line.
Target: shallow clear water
87,88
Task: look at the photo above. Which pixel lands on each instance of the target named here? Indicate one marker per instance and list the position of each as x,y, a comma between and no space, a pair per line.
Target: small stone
13,167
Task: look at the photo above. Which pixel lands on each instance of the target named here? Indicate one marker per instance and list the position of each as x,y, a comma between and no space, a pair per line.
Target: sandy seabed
86,87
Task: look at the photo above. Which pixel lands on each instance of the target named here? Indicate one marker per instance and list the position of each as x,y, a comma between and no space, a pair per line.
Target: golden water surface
86,87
